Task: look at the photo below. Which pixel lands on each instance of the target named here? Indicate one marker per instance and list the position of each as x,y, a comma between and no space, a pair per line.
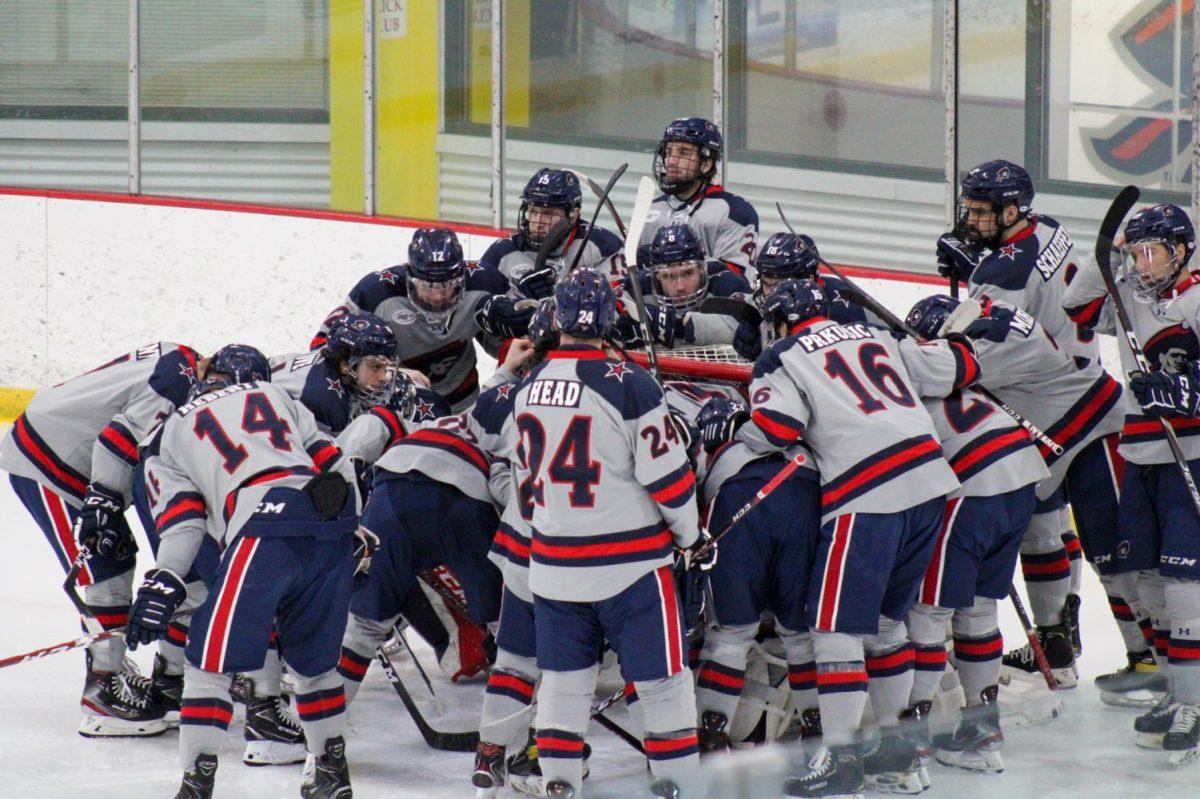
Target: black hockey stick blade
619,731
1121,206
612,181
436,739
552,243
598,191
731,306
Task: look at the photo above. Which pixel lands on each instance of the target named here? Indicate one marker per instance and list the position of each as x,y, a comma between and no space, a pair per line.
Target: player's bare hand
417,377
520,351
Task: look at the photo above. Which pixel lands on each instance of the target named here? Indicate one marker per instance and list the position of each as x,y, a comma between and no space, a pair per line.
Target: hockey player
854,397
550,196
245,464
788,256
972,566
1080,409
764,565
685,166
1005,251
604,483
71,457
354,369
1159,524
437,307
675,282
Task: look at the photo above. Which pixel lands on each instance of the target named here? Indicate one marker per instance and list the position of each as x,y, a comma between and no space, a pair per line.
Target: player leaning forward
237,463
609,492
853,394
1159,521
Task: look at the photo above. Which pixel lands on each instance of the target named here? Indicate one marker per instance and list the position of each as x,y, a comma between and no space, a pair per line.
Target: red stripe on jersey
510,544
448,439
880,469
966,362
1010,438
391,421
114,437
1085,415
644,544
777,430
325,455
186,506
46,460
682,485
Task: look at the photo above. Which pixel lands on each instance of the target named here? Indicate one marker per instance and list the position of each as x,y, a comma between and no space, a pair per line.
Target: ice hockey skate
490,772
1153,725
1139,683
327,776
1056,643
1183,738
273,736
117,706
834,772
198,780
975,744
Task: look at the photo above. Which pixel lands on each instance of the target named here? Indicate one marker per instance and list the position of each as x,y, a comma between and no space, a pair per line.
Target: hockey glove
719,420
702,554
747,340
500,316
100,527
627,332
158,597
1165,394
539,283
366,544
956,259
666,326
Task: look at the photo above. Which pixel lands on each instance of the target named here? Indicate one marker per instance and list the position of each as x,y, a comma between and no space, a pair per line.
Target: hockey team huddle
869,490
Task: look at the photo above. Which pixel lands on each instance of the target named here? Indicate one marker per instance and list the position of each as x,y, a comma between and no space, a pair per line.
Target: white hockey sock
563,711
359,642
670,739
321,705
928,627
889,663
721,676
841,684
204,714
802,667
978,647
1046,568
508,700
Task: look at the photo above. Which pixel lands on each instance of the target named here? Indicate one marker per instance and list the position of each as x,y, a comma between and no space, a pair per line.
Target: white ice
1088,752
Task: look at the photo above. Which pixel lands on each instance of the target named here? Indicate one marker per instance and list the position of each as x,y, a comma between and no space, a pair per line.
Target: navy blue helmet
677,245
1001,182
549,188
795,301
232,364
436,274
541,326
585,306
693,130
929,314
786,255
1159,224
356,336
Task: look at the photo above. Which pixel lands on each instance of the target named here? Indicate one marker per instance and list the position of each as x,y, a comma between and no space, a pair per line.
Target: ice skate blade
486,793
902,782
853,795
171,717
923,772
1183,757
1140,698
527,784
978,762
110,727
1149,740
1066,678
273,753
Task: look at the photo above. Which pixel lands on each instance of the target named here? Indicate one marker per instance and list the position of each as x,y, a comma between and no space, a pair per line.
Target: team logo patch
618,370
554,393
653,214
1123,549
404,316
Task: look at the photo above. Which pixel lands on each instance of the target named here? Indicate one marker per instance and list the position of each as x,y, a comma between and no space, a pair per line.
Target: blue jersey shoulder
175,374
429,405
625,386
771,359
500,248
740,210
370,292
326,396
605,240
724,282
494,405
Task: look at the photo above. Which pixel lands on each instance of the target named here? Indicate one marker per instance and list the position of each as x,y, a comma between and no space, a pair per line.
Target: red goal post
719,363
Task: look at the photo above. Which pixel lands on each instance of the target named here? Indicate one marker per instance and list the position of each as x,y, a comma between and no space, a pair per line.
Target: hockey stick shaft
637,223
619,731
1125,201
435,739
71,587
1039,654
768,488
65,646
420,669
598,191
880,310
612,181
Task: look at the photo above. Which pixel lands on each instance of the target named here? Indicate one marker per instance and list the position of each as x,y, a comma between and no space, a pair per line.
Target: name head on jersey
555,393
679,273
687,156
929,314
1159,241
793,302
550,196
996,195
436,275
584,305
233,364
784,256
362,347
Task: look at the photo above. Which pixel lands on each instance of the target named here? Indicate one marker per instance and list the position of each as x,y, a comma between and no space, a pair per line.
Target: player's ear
1008,217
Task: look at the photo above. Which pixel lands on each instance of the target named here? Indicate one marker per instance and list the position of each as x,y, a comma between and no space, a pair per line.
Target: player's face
542,218
682,161
768,284
374,372
436,296
680,280
1151,260
981,221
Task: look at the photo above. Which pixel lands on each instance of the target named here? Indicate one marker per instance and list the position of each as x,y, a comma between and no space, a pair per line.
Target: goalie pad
767,707
469,650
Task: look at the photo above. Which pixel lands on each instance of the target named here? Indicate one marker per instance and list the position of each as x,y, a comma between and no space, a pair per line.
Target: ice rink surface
1087,752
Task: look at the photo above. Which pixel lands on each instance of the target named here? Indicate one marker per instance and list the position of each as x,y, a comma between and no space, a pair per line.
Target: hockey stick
637,223
71,587
420,669
1039,654
601,195
1104,243
856,293
784,473
65,646
559,233
436,739
591,225
729,306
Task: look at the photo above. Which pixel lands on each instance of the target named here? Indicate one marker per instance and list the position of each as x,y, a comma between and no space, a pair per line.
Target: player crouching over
604,481
237,462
